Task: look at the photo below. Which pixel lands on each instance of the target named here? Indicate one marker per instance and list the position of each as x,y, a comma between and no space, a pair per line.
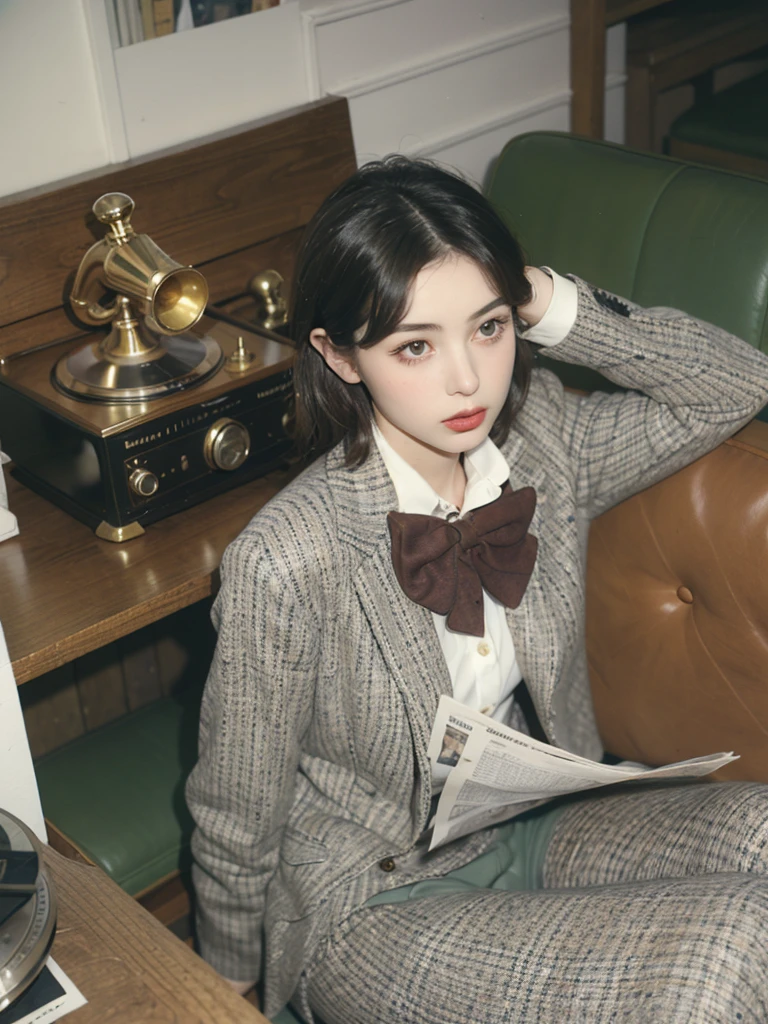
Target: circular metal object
175,364
143,482
226,444
27,932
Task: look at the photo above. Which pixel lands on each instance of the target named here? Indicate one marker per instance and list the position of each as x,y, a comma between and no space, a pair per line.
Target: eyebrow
436,327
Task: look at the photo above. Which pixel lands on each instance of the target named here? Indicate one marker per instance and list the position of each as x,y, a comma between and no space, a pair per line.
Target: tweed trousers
654,907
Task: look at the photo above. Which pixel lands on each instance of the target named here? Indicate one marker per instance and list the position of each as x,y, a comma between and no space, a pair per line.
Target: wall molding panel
329,14
420,76
430,77
513,117
460,55
105,72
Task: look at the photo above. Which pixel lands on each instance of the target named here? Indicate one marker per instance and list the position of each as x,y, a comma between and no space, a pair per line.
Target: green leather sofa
650,228
656,230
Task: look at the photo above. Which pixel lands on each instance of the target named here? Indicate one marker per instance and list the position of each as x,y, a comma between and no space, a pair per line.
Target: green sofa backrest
658,231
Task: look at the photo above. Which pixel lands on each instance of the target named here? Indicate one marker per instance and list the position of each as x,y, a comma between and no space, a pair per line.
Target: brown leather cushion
677,613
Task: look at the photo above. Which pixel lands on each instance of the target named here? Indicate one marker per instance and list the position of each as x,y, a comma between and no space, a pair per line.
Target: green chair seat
735,120
129,814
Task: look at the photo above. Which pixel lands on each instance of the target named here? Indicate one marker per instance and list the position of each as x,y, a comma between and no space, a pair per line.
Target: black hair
361,253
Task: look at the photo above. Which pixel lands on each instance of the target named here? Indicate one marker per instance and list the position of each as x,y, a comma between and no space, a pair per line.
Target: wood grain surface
129,967
64,592
198,203
620,10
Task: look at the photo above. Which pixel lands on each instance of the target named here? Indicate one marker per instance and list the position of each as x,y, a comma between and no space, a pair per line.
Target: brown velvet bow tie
445,566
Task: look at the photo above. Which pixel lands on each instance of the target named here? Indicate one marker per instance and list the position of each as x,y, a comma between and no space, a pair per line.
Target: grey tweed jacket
313,771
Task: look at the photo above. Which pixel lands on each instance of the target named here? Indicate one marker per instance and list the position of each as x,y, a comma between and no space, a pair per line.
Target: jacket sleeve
691,385
255,709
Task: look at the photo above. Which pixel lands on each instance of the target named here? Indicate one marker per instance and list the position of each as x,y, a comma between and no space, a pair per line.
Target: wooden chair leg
588,67
640,108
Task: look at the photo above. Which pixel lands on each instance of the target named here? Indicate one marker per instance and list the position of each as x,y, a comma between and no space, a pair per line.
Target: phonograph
167,405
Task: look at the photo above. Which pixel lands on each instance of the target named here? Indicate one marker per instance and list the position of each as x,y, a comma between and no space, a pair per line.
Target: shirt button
388,864
483,649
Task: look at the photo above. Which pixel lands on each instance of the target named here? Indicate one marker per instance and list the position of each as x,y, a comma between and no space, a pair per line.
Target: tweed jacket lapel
537,649
404,631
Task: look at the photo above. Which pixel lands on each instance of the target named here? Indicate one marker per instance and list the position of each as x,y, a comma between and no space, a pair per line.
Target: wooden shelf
619,10
64,592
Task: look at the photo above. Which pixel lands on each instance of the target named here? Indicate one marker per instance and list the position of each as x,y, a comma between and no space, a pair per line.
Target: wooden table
64,592
129,967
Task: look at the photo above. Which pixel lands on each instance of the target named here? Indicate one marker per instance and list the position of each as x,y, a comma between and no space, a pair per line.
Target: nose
461,374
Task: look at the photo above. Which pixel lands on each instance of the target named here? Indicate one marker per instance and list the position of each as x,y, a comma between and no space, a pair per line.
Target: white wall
444,78
50,118
451,79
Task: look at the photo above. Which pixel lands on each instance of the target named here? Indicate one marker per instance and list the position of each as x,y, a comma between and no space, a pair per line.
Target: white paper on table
8,525
498,772
51,1010
18,786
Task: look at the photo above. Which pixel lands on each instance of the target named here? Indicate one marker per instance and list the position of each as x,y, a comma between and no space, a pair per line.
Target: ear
342,362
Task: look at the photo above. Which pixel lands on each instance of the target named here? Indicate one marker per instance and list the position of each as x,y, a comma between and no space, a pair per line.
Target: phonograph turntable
27,908
174,404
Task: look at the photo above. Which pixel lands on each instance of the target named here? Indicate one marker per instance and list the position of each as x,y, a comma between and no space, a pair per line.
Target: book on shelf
148,18
164,17
138,20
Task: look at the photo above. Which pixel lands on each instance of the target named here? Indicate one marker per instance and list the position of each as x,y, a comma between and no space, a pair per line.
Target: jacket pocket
298,848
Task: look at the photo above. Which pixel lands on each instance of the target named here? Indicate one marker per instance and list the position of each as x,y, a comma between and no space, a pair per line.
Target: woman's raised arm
699,385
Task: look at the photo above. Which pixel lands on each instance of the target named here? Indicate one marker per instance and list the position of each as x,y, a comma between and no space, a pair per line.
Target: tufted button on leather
388,864
685,595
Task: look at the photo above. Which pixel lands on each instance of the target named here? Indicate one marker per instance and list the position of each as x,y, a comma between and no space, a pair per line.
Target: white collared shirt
484,671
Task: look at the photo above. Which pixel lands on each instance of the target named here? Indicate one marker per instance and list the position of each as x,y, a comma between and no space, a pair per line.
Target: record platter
27,908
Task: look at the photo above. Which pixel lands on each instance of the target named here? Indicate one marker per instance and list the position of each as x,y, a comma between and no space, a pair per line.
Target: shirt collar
485,467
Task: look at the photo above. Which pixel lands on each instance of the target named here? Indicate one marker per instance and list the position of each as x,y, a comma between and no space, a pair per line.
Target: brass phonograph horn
147,352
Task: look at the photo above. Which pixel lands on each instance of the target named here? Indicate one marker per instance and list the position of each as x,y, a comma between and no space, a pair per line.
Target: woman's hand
542,288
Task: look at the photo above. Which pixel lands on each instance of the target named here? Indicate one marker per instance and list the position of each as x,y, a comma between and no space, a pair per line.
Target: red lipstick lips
466,420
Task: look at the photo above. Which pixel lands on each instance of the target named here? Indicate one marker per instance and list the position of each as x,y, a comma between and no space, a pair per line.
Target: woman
313,792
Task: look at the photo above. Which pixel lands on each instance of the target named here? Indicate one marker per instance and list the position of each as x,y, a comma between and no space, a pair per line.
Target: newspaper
497,772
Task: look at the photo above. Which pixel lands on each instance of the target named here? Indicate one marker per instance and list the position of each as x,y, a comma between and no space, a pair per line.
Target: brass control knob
143,482
227,444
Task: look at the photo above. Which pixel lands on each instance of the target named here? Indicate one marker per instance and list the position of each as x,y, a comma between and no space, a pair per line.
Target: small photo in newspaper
453,743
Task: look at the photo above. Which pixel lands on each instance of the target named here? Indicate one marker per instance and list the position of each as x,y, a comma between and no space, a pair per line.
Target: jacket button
388,864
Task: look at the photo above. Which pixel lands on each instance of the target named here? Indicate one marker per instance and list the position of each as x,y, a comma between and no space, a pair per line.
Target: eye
492,328
412,350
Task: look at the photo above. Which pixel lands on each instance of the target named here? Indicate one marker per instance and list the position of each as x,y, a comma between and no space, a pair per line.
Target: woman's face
440,380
